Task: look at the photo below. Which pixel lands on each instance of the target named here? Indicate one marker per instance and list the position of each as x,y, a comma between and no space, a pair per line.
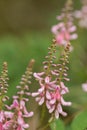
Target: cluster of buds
5,115
64,31
82,14
13,118
51,83
4,84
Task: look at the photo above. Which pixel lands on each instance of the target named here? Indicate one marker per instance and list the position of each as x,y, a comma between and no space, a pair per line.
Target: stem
48,124
42,116
43,113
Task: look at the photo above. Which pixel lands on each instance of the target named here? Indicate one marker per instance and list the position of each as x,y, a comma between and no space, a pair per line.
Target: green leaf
57,125
80,121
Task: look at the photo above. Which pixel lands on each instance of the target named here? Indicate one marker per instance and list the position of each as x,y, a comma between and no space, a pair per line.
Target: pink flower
84,87
64,31
21,124
63,34
51,94
1,126
5,120
21,113
82,15
20,106
55,103
44,88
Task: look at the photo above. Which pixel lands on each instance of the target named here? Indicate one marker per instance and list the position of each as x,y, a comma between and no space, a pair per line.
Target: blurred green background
25,33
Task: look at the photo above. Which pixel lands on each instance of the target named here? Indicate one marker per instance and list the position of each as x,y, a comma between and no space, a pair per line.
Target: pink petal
25,126
47,79
48,95
52,101
73,36
20,120
59,108
1,126
65,103
67,35
22,104
41,89
41,101
48,105
52,109
72,29
35,94
60,38
63,113
30,114
37,75
15,104
8,114
37,99
7,125
2,117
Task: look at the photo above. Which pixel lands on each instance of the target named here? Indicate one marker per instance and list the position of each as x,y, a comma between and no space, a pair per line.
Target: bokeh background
25,33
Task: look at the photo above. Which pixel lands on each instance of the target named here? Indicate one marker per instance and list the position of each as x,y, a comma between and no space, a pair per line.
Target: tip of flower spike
5,63
54,41
32,61
3,81
69,2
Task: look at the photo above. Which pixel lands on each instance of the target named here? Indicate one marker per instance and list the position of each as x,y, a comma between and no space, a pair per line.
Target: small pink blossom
64,31
21,111
42,92
5,120
84,87
63,34
20,106
21,124
51,94
81,15
55,103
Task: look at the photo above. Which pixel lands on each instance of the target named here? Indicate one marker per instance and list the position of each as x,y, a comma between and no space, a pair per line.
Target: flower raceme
13,118
63,34
52,95
21,113
5,120
52,87
64,31
5,115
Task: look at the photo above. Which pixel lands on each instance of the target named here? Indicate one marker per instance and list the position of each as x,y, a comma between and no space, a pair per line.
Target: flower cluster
51,80
13,117
64,31
52,88
5,115
82,14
